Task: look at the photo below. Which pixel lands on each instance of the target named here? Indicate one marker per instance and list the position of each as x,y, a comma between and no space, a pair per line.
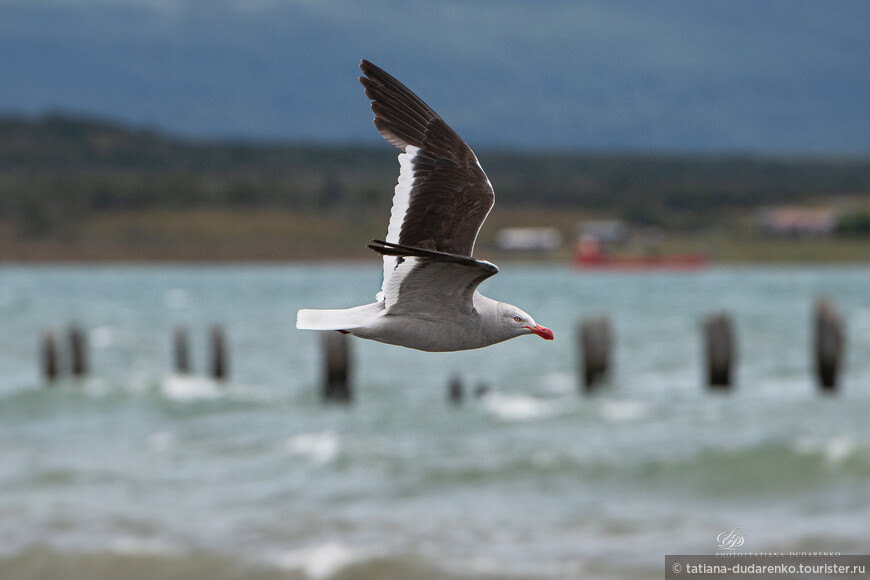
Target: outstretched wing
422,278
443,196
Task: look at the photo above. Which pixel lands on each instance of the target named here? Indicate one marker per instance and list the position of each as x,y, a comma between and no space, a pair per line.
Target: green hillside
93,188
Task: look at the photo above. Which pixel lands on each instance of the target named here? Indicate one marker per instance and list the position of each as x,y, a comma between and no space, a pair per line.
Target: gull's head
519,322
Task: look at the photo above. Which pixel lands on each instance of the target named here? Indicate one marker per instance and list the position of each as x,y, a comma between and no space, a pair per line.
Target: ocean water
136,472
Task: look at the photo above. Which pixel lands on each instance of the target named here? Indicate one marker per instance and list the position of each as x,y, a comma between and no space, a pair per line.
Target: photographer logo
730,540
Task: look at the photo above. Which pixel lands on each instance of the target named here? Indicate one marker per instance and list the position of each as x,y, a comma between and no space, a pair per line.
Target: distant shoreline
826,252
79,190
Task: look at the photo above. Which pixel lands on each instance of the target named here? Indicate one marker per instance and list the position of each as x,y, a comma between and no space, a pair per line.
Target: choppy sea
138,472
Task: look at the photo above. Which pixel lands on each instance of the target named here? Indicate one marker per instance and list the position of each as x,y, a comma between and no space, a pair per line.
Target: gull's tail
344,319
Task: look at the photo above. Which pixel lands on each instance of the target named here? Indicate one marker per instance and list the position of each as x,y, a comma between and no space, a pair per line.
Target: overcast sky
783,76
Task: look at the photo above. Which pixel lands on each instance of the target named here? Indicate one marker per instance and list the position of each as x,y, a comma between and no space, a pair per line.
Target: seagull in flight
429,299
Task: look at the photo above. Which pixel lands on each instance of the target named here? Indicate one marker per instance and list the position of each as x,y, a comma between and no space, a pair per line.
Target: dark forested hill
55,168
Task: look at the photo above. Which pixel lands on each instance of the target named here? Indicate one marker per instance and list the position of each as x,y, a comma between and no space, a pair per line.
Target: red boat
590,256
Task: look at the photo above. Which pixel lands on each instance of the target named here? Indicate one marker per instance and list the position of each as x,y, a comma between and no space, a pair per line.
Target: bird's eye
518,318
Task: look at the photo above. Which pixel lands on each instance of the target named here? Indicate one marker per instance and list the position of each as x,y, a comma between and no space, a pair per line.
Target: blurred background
191,172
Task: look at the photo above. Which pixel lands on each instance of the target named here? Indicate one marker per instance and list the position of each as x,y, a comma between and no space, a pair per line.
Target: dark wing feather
450,195
390,249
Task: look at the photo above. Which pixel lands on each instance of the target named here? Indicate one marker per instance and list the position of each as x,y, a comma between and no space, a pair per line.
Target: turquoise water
136,472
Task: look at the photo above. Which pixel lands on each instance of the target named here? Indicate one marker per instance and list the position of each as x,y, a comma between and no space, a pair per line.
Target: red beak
541,331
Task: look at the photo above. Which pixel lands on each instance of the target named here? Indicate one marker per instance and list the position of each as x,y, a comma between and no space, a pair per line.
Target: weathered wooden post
455,390
181,351
218,353
830,344
596,342
49,357
78,351
337,367
720,350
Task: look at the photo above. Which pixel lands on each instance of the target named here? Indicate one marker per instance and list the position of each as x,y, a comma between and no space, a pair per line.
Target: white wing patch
401,201
402,193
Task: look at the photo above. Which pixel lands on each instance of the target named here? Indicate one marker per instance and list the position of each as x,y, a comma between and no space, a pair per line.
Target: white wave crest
188,388
513,407
624,410
835,450
321,447
323,560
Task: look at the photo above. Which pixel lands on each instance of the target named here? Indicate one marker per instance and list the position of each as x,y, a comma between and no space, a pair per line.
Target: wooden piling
830,344
49,357
181,352
78,351
720,350
337,367
218,353
596,342
455,391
